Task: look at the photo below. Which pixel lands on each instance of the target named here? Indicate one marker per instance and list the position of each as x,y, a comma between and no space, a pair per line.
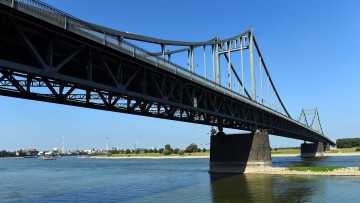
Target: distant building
25,153
20,153
31,152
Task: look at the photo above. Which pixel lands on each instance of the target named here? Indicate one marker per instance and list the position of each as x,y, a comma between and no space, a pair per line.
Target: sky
311,49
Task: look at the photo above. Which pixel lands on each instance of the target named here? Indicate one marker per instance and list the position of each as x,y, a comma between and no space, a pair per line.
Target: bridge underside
43,62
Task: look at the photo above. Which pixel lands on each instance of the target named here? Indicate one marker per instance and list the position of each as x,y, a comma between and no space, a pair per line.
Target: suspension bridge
48,55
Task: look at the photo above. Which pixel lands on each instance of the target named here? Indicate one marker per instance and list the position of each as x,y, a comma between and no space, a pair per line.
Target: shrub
358,149
181,152
168,147
161,150
166,152
176,150
191,148
204,150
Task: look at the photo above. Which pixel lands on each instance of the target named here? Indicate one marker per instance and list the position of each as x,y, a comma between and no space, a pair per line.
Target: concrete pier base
327,147
237,153
312,149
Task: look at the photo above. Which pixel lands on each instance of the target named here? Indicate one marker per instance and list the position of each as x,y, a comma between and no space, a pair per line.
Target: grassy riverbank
155,155
278,152
345,150
296,151
315,168
286,151
307,171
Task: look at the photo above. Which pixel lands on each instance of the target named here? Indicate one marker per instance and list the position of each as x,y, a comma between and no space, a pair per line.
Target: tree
348,142
151,151
161,150
137,151
176,151
198,150
155,150
213,131
168,147
204,150
146,151
166,152
181,152
127,151
4,153
191,148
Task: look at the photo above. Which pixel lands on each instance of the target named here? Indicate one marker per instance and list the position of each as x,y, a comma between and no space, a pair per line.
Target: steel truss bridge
48,55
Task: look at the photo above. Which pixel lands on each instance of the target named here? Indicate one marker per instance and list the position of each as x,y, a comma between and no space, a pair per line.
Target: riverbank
149,157
347,171
325,154
207,155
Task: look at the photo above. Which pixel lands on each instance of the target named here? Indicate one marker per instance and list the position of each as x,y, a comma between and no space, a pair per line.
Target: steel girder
39,61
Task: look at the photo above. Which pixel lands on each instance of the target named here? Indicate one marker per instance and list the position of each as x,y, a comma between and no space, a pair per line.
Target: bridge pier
312,149
237,153
327,147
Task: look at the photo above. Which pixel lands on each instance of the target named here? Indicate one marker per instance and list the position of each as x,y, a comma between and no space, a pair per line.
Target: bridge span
48,55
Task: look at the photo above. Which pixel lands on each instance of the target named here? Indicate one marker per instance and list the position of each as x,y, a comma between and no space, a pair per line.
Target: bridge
48,55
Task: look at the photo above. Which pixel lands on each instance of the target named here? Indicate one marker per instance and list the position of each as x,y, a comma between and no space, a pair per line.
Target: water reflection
262,188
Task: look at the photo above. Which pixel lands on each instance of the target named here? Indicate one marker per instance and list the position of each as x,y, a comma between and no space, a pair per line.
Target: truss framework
42,62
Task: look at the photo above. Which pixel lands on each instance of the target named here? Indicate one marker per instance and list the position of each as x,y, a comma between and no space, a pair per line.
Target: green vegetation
344,150
181,153
298,151
286,151
348,142
192,150
315,168
4,153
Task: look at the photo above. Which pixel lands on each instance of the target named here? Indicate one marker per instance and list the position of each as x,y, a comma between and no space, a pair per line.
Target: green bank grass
315,168
204,154
344,150
285,151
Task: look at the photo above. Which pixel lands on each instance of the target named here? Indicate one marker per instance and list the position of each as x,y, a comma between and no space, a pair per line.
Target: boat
47,158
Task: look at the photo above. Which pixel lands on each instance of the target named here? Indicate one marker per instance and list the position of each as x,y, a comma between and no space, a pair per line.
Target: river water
70,179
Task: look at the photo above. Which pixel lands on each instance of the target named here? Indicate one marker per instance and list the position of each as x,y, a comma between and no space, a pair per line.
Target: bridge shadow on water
260,188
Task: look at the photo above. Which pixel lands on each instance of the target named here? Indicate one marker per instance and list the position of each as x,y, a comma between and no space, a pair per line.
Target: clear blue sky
310,47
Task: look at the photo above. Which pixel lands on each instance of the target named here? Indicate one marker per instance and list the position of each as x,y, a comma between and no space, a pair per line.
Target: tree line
4,153
167,150
348,142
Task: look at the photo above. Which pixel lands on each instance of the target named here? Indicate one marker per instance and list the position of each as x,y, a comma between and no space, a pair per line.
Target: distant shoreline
199,157
196,156
148,157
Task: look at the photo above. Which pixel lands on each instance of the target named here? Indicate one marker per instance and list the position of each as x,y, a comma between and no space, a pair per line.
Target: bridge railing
61,19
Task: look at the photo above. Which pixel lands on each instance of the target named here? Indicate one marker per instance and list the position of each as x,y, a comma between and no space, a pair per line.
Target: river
70,179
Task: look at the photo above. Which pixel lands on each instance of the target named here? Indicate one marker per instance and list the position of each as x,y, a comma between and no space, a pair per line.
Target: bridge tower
314,149
238,153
